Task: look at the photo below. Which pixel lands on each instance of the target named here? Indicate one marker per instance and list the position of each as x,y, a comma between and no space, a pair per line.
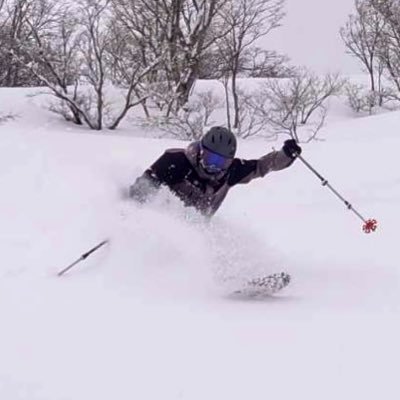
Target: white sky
310,35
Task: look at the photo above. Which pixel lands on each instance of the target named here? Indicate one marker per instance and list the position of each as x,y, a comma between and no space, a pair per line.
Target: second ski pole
83,257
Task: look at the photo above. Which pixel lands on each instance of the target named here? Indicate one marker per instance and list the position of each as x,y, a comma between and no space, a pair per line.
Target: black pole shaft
327,184
83,257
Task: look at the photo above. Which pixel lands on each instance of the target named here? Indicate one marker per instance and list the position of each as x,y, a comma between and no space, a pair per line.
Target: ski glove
291,148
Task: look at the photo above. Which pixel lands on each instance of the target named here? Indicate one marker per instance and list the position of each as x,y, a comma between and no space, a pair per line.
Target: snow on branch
78,57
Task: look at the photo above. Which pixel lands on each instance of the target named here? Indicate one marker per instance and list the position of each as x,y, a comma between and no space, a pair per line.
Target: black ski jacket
180,171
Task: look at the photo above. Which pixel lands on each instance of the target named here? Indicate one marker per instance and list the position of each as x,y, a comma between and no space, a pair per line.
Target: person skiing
202,174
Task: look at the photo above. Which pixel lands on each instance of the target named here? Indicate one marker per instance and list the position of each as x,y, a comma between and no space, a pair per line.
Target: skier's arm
145,187
244,171
162,172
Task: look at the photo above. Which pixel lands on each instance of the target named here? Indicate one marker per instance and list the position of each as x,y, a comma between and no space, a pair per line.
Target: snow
146,317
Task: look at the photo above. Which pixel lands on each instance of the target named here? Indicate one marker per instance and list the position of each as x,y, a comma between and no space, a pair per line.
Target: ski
264,286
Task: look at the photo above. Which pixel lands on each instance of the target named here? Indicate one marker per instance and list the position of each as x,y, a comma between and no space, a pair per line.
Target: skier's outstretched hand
291,148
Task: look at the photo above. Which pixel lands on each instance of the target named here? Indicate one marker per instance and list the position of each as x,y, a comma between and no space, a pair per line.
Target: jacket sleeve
244,171
144,187
163,171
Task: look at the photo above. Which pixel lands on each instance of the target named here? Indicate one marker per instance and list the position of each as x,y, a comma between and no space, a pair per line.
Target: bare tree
2,41
252,122
192,120
362,36
296,103
193,38
53,58
361,100
389,45
136,53
247,21
77,56
92,49
16,33
316,92
261,63
256,63
13,32
184,29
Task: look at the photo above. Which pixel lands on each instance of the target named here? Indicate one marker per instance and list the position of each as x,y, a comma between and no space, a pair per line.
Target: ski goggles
213,162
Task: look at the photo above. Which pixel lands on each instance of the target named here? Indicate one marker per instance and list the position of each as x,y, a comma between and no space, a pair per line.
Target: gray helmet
220,140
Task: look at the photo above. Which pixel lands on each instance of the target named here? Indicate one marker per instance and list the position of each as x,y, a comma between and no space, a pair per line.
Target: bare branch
184,29
246,21
190,123
296,104
389,44
134,82
362,36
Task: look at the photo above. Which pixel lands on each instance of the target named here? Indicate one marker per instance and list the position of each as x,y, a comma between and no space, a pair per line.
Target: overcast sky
310,35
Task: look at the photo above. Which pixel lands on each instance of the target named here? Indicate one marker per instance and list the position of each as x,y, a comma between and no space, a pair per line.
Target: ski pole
83,257
369,226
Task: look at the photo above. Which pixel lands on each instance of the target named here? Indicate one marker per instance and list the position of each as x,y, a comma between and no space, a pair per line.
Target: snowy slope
145,318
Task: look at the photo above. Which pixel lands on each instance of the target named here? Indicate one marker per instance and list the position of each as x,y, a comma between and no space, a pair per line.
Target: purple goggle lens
214,162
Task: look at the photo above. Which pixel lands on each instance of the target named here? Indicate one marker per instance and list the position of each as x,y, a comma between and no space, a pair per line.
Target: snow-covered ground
144,318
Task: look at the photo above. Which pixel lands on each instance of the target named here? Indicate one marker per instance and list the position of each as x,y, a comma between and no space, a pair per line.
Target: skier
202,174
